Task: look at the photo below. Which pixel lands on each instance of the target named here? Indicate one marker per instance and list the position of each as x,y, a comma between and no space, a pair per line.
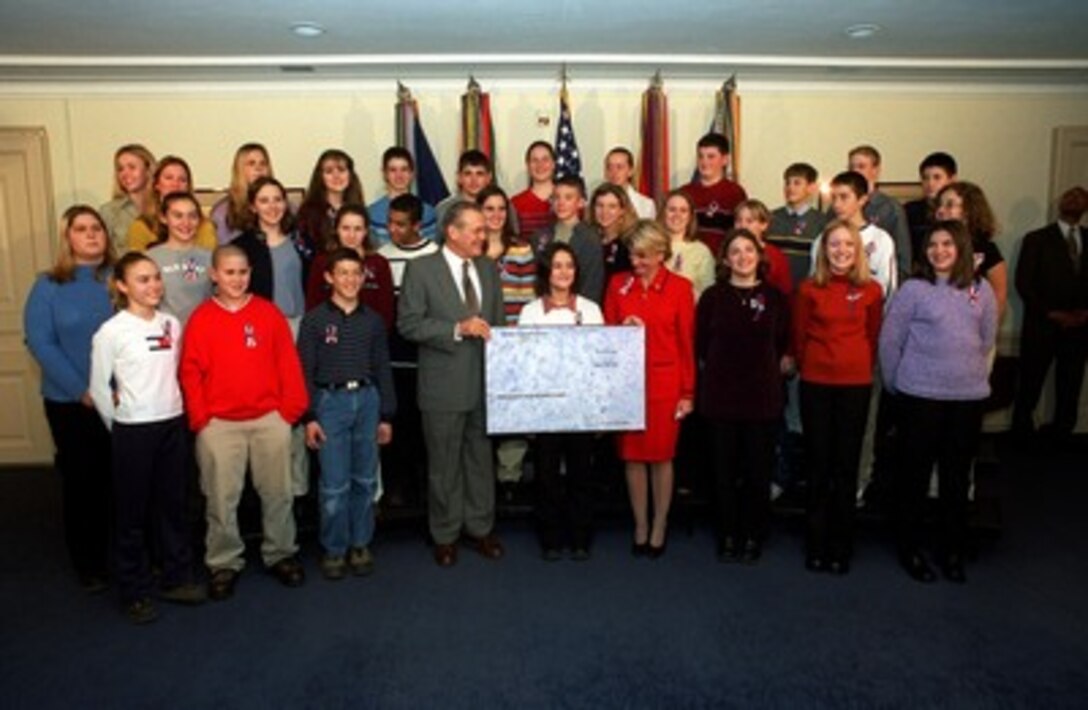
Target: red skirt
658,442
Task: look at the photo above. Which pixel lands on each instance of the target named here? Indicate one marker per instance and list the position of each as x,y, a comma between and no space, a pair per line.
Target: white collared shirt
645,207
455,263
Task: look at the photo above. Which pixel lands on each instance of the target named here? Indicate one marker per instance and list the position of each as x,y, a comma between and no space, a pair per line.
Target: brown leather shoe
445,555
488,546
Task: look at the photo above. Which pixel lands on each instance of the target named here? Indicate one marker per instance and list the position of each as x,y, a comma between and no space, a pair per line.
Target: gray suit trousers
460,478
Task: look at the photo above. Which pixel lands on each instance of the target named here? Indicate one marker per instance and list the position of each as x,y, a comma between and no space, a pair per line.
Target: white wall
1001,136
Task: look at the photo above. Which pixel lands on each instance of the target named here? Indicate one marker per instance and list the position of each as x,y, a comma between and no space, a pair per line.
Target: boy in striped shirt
345,362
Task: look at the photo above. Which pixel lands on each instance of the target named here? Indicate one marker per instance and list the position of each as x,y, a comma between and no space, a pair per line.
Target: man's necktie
472,299
1074,248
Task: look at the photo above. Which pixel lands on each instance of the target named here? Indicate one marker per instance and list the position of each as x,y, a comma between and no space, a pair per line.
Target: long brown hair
152,207
628,219
963,270
509,234
977,213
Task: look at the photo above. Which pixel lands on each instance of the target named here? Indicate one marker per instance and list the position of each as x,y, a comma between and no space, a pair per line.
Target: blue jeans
349,467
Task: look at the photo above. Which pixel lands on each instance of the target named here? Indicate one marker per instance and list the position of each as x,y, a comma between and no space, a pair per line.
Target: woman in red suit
663,302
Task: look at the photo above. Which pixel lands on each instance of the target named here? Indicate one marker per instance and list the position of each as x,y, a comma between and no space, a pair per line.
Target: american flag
568,161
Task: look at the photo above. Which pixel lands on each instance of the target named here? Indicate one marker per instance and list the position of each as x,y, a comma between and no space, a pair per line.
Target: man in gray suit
448,302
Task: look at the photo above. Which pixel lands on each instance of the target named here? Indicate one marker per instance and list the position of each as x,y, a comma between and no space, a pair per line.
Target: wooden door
27,243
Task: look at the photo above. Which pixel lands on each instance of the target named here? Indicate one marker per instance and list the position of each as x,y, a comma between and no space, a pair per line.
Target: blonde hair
64,268
757,208
649,236
148,159
859,273
238,215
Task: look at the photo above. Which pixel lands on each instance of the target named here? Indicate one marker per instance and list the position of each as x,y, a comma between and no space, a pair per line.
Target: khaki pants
222,451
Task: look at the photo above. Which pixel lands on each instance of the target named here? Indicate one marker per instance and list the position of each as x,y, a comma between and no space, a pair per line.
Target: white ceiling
105,39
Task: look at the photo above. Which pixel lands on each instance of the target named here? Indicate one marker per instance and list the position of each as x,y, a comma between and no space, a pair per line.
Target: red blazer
667,307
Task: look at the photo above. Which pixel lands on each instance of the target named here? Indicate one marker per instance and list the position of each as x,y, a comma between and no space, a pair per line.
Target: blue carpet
682,631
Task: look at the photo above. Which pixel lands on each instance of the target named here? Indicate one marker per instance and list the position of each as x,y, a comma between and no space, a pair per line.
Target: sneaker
360,561
332,568
191,594
141,611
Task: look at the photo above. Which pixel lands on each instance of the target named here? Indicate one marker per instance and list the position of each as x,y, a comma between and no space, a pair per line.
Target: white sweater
138,360
585,312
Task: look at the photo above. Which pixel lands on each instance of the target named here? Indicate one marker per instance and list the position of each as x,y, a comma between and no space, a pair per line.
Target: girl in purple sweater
938,330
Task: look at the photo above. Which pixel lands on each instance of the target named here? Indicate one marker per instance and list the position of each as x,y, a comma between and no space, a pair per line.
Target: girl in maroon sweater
836,323
741,334
351,229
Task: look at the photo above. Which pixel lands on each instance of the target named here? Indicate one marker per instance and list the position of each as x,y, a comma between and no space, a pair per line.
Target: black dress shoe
839,567
221,584
813,563
751,552
953,569
445,555
917,567
728,550
289,572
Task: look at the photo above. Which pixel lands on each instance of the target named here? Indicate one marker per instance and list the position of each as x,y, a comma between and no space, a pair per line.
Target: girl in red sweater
754,216
835,328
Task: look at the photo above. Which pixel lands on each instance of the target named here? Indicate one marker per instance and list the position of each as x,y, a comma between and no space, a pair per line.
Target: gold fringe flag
477,130
654,158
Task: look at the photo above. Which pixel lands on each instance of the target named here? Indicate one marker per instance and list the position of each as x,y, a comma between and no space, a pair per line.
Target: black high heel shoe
953,569
653,551
640,549
916,566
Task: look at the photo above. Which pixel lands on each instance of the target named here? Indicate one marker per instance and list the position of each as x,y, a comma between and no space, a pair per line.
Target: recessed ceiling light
307,29
862,31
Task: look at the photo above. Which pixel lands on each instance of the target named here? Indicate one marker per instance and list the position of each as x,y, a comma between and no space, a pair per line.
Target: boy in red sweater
715,196
243,388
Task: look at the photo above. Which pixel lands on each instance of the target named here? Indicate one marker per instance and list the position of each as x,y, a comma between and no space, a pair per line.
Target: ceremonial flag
727,122
477,131
568,161
430,185
654,159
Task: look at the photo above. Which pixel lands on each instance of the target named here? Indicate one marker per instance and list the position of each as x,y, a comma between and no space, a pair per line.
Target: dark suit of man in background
448,303
1052,280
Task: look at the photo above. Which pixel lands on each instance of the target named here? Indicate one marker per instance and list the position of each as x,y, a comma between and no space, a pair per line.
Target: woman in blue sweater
938,330
65,307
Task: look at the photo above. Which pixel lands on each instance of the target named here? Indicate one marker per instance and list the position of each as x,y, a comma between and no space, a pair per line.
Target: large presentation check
565,378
